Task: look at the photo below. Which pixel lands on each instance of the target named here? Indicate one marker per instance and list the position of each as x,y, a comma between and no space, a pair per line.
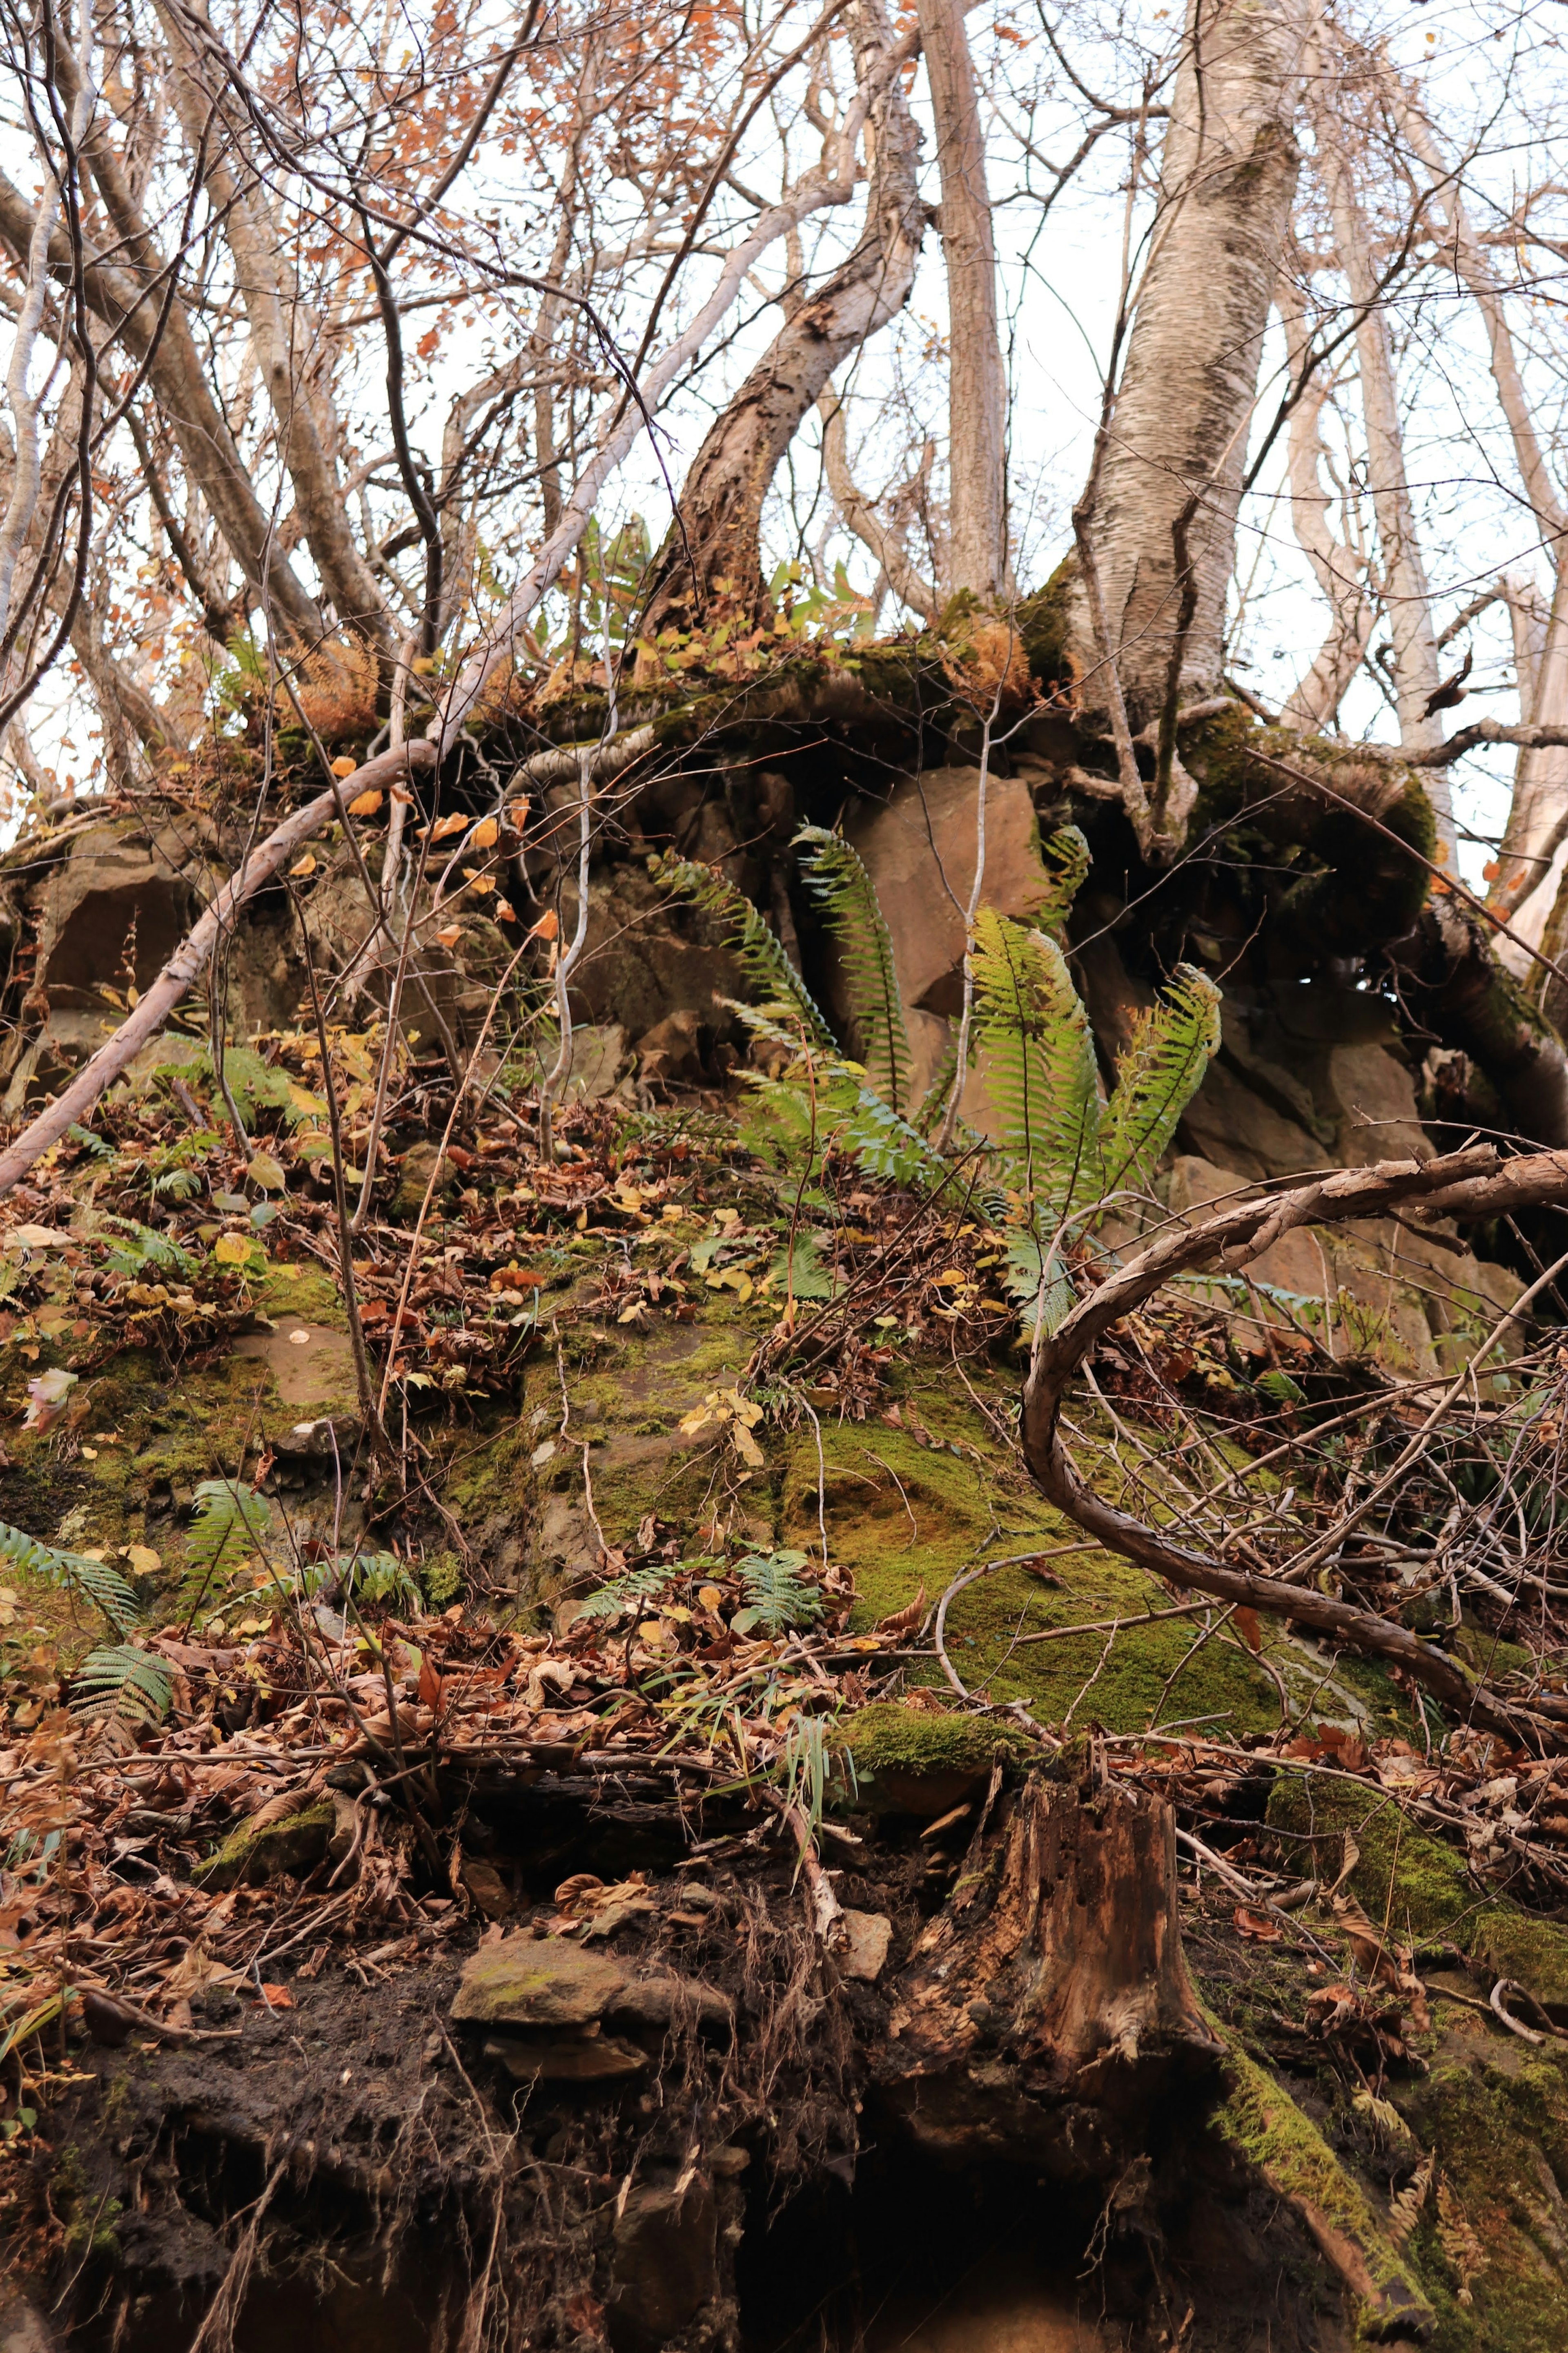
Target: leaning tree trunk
977,387
1178,445
716,554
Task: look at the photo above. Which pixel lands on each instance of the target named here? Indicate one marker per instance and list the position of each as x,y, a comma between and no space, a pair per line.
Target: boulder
919,850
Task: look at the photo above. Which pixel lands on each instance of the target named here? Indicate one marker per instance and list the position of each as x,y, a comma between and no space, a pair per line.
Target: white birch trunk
977,386
1227,180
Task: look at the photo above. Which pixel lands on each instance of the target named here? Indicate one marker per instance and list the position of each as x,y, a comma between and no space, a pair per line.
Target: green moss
1532,1951
1262,2121
913,1742
1402,1875
254,1853
901,1515
300,1290
1496,2124
1043,623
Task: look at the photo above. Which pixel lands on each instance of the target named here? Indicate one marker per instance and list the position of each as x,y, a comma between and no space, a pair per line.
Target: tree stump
1046,2015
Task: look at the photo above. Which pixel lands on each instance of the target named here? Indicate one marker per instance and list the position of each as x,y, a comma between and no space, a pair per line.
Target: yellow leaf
263,1170
954,1276
483,834
451,935
345,768
143,1560
446,827
480,882
307,864
697,1420
505,911
547,926
303,1100
743,1409
366,804
232,1249
746,1446
710,1596
517,813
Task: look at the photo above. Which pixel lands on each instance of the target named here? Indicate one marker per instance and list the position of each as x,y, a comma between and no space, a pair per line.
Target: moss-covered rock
260,1849
915,1760
1263,2124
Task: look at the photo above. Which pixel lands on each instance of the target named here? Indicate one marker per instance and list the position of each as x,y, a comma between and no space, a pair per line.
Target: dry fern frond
1460,2243
1404,2212
335,687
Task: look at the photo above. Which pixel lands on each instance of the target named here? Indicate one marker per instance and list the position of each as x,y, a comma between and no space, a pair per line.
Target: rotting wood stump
1045,2016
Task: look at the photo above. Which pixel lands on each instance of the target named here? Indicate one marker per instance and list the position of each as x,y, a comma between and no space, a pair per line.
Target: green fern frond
758,949
1158,1075
121,1685
874,1138
778,1598
148,1248
839,882
1067,859
628,1594
231,1519
372,1577
1039,1063
94,1581
798,1270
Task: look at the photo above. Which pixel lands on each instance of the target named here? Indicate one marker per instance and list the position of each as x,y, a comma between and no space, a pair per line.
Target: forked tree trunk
719,541
1179,430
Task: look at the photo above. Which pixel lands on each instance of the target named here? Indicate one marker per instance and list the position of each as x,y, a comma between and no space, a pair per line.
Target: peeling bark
1179,428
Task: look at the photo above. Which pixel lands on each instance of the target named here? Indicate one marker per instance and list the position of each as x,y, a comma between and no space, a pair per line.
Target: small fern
231,1520
839,882
625,1595
93,1580
778,1598
1066,861
123,1687
758,949
1040,1067
372,1577
1157,1076
147,1250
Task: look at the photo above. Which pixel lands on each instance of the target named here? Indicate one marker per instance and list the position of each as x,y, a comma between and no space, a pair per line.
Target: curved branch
1472,1183
77,1100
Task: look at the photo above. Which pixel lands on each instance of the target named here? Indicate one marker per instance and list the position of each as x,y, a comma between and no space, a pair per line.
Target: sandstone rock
587,2059
867,1937
919,850
536,1981
665,2264
291,1842
1228,1124
1374,1097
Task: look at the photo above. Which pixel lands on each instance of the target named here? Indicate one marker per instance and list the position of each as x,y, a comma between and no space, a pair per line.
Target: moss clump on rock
915,1760
258,1850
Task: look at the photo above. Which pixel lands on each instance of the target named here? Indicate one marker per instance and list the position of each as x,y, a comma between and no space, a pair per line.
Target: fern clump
778,1598
93,1581
123,1688
838,879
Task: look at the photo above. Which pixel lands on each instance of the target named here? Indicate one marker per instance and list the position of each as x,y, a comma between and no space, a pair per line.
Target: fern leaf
1158,1075
758,949
1067,862
94,1581
231,1520
843,890
778,1598
1040,1068
121,1685
632,1592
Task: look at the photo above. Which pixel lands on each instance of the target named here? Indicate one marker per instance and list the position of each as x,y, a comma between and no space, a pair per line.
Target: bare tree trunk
1339,569
977,387
875,530
1227,179
1407,603
721,504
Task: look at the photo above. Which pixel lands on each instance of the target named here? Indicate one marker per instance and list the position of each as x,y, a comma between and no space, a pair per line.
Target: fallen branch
1475,1183
192,954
